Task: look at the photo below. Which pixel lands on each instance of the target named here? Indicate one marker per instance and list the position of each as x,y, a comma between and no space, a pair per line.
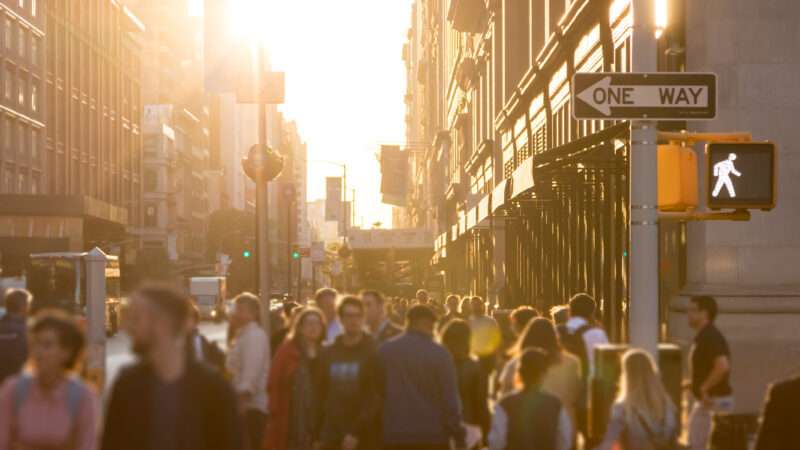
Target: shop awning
484,210
522,178
499,195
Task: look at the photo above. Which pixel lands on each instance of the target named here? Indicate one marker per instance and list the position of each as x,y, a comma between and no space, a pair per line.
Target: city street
118,352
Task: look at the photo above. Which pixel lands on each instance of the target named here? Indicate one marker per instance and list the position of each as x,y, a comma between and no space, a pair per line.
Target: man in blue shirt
421,409
13,342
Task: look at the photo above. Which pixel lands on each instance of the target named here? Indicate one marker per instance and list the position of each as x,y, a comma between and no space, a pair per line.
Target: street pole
262,207
643,320
289,247
96,262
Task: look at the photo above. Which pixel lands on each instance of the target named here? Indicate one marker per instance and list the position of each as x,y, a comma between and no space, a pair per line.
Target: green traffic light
246,253
295,255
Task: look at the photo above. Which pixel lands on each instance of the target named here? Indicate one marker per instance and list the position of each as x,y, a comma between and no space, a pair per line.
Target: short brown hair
325,292
349,300
16,300
250,301
375,294
171,301
300,316
69,334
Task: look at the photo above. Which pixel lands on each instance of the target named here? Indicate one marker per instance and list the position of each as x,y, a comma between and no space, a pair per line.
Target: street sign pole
262,208
643,320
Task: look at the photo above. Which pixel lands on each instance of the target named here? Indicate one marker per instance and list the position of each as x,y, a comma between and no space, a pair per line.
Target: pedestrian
531,418
248,364
419,389
399,311
49,407
165,401
563,376
472,382
710,368
643,417
451,304
199,348
780,421
292,403
279,332
325,300
465,307
486,335
560,315
381,328
346,384
422,297
583,334
13,340
520,318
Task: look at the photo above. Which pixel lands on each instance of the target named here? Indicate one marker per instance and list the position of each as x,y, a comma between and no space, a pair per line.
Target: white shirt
247,361
334,330
591,338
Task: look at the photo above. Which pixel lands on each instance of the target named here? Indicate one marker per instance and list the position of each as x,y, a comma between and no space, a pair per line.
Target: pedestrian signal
740,175
677,178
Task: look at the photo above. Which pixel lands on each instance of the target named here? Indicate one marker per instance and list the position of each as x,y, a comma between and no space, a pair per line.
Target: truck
209,296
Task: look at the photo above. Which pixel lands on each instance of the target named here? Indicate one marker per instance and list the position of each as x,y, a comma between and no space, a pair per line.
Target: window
5,126
22,4
21,137
20,183
21,41
35,145
35,180
34,96
150,218
33,8
7,34
8,84
21,91
9,184
34,50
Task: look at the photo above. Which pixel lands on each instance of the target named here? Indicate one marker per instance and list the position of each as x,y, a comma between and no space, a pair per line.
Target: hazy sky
345,82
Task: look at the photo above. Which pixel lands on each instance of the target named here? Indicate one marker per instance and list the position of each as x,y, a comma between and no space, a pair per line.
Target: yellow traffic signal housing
677,178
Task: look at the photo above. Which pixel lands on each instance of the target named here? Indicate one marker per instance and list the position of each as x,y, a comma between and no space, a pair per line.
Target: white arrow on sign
602,96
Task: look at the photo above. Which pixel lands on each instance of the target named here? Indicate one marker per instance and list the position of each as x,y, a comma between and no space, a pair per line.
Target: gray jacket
631,433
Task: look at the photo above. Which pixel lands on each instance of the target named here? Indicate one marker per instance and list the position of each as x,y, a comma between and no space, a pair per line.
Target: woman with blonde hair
643,417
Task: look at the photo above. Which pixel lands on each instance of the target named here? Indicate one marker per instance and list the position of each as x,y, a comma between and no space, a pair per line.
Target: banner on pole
394,175
333,198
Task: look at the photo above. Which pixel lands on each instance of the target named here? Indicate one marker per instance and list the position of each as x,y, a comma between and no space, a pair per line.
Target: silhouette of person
723,171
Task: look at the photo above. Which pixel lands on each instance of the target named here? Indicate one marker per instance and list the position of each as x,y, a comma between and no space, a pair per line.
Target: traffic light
740,175
246,253
295,254
677,178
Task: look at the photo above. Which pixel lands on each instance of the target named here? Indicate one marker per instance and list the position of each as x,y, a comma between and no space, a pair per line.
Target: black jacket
212,354
473,388
207,418
780,421
13,345
346,383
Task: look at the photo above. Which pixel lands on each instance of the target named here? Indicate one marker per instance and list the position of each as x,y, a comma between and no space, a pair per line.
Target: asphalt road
118,352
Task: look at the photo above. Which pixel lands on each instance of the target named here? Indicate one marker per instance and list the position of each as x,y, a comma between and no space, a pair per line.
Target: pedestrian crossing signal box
740,175
677,178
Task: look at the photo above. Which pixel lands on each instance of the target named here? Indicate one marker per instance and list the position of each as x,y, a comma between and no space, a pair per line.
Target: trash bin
603,385
733,431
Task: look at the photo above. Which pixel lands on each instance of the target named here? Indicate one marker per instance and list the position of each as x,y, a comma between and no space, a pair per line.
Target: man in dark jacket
419,389
199,348
166,401
379,325
530,419
780,421
13,337
347,385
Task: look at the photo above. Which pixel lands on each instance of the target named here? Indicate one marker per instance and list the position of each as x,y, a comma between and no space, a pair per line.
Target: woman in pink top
46,409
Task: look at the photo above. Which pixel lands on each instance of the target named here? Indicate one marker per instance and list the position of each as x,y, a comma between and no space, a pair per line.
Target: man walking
710,371
347,385
325,299
166,401
378,323
13,332
420,396
451,304
199,348
248,365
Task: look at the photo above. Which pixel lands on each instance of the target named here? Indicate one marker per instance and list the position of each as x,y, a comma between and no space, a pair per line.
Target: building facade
77,146
531,206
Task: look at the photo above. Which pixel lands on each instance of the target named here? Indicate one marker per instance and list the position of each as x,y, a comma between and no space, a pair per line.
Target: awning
484,210
522,178
462,223
499,195
472,215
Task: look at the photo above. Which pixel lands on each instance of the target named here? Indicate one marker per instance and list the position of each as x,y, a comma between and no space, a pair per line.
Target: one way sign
644,96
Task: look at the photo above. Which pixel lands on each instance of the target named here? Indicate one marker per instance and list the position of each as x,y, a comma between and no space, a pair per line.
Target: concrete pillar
499,261
96,316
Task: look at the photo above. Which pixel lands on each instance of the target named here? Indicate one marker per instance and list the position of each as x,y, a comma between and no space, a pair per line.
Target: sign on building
318,252
333,198
740,175
394,175
644,96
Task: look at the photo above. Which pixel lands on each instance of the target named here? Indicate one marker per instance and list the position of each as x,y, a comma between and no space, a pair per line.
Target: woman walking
472,383
47,407
563,377
292,406
643,416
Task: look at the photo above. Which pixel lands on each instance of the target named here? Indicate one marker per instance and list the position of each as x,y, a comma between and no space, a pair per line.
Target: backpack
74,395
575,344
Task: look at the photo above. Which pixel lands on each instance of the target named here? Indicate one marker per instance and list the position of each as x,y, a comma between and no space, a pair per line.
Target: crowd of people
357,372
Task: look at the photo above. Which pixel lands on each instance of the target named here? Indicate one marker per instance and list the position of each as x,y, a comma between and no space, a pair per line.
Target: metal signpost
644,96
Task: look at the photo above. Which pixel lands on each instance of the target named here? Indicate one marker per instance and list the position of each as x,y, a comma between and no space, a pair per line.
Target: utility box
677,178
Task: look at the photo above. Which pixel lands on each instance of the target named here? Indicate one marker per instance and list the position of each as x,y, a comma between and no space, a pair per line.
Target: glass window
21,91
20,183
34,96
8,84
21,41
35,145
33,8
7,34
21,138
9,185
35,184
22,4
34,50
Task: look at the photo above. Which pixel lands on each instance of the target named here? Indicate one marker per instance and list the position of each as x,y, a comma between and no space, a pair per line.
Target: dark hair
464,306
70,336
325,292
540,333
298,319
16,300
522,315
375,294
349,300
533,364
582,305
559,314
452,297
420,312
171,301
455,337
250,301
708,304
288,307
195,312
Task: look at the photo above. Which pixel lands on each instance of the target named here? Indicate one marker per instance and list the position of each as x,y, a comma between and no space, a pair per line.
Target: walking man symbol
723,171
